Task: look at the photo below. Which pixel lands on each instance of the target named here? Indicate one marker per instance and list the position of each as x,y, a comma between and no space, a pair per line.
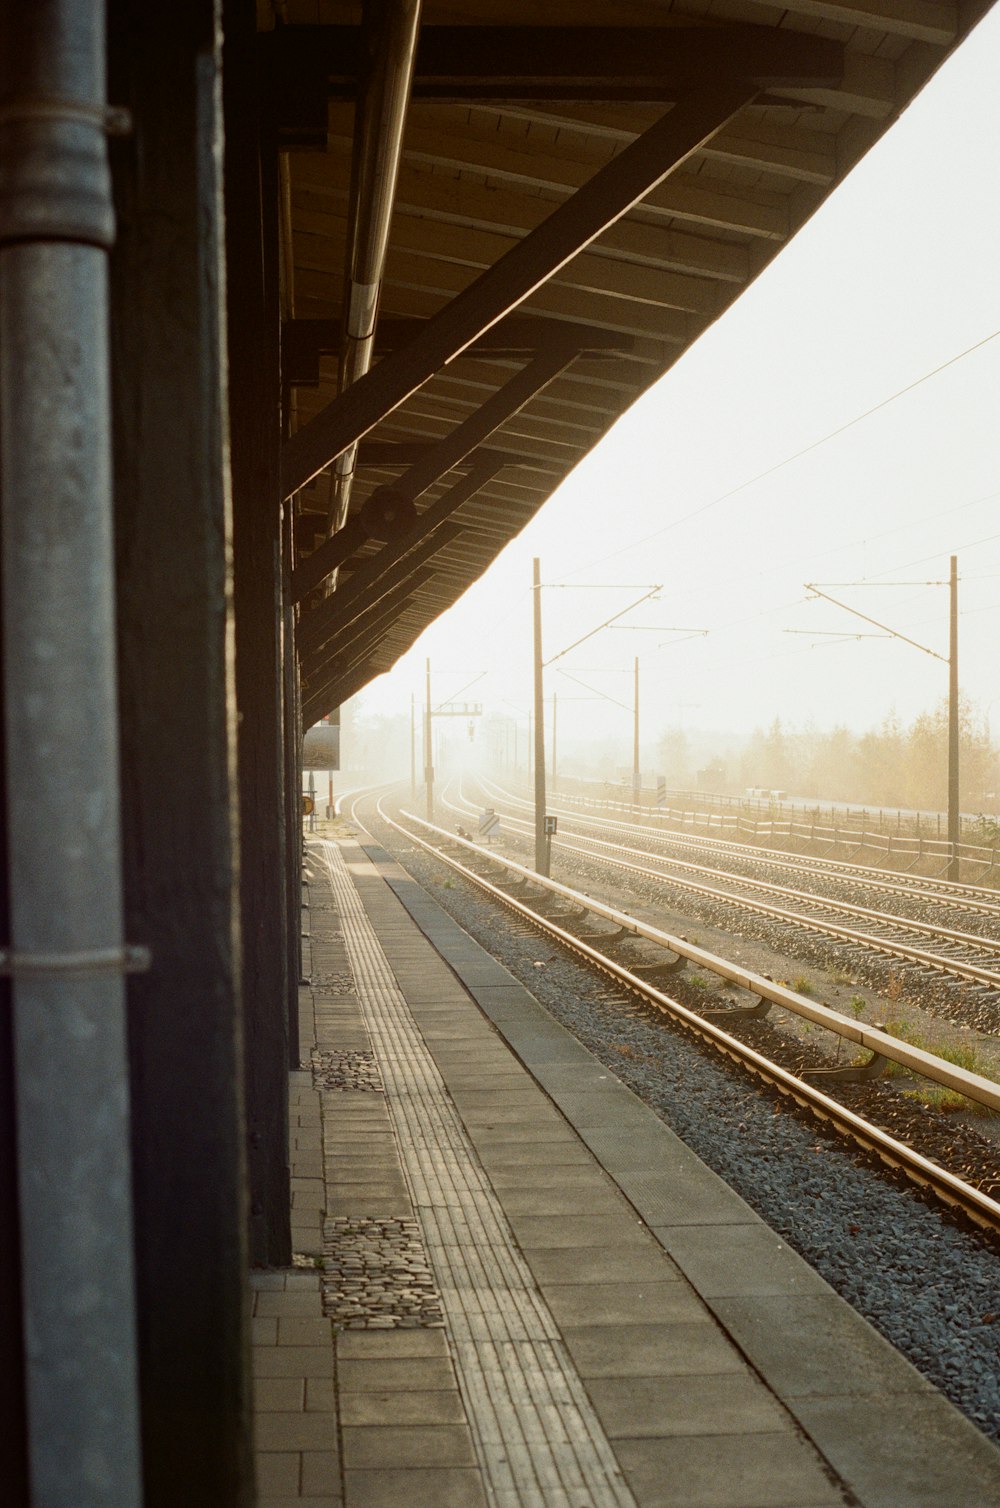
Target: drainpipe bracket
126,960
55,183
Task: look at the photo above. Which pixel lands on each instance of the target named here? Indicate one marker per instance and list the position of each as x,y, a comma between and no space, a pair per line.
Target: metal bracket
114,120
755,1012
651,970
126,960
610,938
852,1073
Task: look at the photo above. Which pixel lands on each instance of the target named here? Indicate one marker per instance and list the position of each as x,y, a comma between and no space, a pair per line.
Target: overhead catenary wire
797,455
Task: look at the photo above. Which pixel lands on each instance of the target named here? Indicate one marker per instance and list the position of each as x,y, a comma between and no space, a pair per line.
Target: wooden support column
14,1435
292,732
173,538
255,426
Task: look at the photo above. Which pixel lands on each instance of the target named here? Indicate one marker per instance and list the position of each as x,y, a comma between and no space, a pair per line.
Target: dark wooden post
252,297
178,756
13,1436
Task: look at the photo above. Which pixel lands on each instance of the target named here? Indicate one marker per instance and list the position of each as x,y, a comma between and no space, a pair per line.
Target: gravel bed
929,1285
955,1000
952,999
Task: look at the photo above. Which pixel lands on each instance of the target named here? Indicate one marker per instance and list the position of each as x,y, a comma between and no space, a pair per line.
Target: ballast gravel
927,1284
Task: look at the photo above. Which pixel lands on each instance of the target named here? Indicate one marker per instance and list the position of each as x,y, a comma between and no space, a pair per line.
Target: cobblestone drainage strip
346,1070
339,983
376,1275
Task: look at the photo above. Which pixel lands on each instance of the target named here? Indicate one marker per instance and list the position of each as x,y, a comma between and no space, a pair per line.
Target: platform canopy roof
582,189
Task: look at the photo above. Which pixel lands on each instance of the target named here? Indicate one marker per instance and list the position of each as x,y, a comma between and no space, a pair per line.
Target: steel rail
913,887
906,924
947,1186
946,892
936,962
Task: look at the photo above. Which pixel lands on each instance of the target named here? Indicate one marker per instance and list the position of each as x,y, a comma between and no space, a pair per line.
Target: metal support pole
68,959
954,865
635,739
541,847
413,746
554,745
429,750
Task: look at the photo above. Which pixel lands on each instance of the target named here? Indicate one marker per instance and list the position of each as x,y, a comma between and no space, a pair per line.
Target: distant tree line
893,765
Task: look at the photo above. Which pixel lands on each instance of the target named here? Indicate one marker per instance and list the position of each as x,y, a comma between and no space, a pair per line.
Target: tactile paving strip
538,1438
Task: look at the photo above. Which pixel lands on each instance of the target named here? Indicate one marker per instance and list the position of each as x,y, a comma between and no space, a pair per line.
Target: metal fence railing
878,832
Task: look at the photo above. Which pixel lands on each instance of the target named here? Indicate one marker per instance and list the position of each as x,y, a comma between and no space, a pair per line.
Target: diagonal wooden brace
604,199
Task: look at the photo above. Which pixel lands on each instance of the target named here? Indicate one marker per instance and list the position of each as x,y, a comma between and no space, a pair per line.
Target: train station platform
517,1286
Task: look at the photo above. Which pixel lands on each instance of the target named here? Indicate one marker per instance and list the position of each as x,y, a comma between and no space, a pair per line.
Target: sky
700,487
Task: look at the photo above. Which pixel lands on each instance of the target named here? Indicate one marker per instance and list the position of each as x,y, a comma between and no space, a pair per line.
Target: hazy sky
897,274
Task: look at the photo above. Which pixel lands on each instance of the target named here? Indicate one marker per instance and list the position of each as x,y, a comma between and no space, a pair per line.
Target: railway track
968,957
961,895
530,898
977,900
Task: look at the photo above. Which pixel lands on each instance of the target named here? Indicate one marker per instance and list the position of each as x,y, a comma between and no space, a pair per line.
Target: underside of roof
474,411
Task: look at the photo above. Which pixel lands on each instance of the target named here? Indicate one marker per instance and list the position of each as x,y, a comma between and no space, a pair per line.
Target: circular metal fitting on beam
55,182
386,513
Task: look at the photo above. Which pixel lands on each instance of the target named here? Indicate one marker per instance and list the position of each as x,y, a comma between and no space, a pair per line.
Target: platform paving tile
947,1464
645,1263
279,1394
546,1176
295,1430
692,1424
323,1501
278,1472
486,1288
388,1445
429,1487
586,1199
576,1230
303,1362
741,1260
814,1346
727,1471
289,1301
506,1153
403,1406
686,1404
418,1374
654,1348
621,1303
394,1345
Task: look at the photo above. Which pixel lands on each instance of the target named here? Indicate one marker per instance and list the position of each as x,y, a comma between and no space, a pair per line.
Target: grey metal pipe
392,28
67,957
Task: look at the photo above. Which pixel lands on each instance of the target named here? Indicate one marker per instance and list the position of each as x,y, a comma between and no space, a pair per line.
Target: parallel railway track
506,877
960,895
964,956
977,900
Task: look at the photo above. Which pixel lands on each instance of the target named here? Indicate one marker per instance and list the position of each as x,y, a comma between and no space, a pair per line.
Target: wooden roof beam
684,196
605,198
649,63
447,453
303,341
417,236
506,211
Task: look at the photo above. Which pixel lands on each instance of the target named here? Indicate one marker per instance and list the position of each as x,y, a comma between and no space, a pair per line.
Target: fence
875,837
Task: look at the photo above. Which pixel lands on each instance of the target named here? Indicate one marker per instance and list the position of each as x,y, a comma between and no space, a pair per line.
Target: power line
806,450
